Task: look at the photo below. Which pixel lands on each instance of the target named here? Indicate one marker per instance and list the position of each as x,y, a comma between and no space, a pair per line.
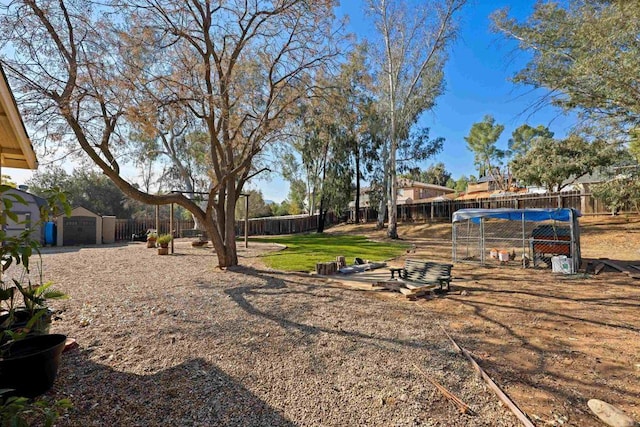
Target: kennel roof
534,214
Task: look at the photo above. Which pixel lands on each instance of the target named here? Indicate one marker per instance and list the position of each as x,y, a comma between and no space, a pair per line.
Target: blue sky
477,83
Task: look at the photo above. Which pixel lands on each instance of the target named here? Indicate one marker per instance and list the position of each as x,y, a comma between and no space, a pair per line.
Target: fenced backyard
443,210
257,226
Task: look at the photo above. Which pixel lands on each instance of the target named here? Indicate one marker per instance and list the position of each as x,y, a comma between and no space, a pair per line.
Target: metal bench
193,233
418,274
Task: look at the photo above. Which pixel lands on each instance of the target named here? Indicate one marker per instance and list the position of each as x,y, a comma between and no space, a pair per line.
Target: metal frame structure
536,234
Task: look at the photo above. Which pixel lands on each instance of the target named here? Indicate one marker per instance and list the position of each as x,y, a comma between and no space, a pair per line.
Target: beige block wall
108,229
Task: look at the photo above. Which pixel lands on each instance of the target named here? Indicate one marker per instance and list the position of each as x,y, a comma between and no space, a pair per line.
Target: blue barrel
50,233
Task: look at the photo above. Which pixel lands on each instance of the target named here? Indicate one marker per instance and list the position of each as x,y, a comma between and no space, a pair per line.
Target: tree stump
326,268
341,261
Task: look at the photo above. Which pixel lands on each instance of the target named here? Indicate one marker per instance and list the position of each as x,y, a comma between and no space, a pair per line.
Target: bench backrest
426,271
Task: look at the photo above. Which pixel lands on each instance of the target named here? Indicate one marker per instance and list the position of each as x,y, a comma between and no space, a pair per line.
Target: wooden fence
443,210
125,228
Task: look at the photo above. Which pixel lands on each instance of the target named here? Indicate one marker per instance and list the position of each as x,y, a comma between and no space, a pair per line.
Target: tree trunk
231,254
382,213
357,167
392,231
322,217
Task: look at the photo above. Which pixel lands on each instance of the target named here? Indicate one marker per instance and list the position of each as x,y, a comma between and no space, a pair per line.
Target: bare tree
236,66
410,72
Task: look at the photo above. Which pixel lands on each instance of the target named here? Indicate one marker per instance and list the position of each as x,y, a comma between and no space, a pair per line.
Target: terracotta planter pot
163,251
29,366
151,243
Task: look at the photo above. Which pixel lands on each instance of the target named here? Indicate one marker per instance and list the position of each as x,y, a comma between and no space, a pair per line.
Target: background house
28,214
409,192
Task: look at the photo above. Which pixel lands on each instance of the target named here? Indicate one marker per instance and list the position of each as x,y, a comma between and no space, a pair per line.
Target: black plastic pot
29,366
21,317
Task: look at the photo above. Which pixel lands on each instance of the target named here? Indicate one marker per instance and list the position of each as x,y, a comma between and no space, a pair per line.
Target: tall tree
556,164
522,139
488,158
585,53
410,76
354,105
238,68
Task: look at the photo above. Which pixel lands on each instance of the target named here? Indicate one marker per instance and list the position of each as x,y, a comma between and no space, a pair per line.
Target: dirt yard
552,341
171,340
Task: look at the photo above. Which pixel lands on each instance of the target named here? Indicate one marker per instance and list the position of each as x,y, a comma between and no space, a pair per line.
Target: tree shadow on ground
194,393
278,282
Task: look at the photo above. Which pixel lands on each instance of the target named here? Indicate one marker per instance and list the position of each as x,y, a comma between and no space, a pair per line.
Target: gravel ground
171,340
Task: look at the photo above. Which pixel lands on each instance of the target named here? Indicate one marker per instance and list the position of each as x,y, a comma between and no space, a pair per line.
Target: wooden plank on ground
613,265
622,269
391,285
418,286
462,407
494,387
599,267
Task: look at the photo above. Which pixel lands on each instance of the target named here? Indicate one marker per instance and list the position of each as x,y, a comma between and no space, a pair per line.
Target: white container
562,264
503,256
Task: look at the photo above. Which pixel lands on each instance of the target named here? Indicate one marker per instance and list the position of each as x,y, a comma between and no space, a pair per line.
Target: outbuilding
83,227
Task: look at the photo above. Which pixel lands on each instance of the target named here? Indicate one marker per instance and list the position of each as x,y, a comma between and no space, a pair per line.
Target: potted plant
29,365
152,236
29,357
163,242
34,316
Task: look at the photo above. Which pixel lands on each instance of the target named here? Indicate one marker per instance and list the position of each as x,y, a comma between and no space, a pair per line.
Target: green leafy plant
16,411
18,250
152,236
164,239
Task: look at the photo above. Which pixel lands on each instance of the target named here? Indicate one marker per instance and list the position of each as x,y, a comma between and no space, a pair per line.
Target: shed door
79,230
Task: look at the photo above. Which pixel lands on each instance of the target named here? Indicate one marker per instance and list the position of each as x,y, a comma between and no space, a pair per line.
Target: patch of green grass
305,250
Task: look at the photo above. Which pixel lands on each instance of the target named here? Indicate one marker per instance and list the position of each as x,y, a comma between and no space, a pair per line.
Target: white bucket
562,264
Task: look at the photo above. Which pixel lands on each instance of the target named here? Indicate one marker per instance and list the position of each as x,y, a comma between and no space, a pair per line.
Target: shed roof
540,214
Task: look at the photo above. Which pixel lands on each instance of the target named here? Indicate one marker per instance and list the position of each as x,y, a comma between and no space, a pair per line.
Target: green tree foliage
257,206
634,144
461,184
86,188
554,164
522,138
619,191
296,197
435,174
412,41
585,53
488,158
282,209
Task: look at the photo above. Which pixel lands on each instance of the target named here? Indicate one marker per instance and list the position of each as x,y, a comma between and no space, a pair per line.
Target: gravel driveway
171,340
